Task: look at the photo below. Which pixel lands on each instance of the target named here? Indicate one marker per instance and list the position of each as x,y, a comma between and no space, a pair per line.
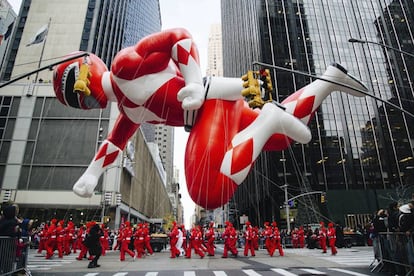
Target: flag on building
5,36
40,36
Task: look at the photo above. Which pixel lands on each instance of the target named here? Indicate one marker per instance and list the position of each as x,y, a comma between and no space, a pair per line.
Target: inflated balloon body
159,81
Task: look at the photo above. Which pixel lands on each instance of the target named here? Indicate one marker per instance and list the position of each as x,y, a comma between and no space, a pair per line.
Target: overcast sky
196,16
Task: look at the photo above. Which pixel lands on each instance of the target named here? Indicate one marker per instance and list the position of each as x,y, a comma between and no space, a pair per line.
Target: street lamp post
287,207
361,41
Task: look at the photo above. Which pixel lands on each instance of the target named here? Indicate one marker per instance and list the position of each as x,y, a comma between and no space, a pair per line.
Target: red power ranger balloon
159,81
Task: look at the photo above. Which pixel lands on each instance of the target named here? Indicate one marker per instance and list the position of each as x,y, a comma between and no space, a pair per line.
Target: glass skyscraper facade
361,153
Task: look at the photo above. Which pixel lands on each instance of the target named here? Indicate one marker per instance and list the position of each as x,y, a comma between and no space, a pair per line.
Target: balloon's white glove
191,96
85,185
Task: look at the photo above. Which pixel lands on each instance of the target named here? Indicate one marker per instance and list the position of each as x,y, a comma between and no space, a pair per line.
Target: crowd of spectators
392,233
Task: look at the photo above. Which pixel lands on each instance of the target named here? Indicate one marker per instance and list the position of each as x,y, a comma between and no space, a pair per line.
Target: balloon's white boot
351,85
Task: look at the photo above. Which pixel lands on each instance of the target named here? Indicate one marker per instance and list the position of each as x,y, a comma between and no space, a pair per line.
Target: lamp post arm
309,193
334,82
355,40
50,66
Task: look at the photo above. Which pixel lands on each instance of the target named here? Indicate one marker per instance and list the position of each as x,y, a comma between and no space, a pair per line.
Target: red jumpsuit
70,238
301,234
82,236
210,237
139,241
230,239
61,238
256,238
159,81
173,241
295,238
104,240
268,235
147,239
196,239
277,241
51,239
125,241
248,236
332,238
43,238
184,245
322,237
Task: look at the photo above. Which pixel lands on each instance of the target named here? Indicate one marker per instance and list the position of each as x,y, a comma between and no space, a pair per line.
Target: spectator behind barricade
406,217
393,216
9,222
380,222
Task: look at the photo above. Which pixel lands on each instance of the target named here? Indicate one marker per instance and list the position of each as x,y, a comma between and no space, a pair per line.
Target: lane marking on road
219,273
251,272
151,274
283,272
189,273
120,274
91,274
348,272
313,271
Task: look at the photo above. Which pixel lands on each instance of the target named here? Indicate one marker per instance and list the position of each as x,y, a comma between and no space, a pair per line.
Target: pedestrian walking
92,242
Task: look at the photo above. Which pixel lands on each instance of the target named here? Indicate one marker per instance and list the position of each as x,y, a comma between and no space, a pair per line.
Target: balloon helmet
66,74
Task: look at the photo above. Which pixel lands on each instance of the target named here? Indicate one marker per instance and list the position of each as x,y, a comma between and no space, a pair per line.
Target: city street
348,261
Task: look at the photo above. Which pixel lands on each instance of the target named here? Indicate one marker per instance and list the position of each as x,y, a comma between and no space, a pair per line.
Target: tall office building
362,149
44,146
7,18
215,52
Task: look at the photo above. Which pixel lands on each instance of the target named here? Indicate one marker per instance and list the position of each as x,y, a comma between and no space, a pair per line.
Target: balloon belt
50,66
334,82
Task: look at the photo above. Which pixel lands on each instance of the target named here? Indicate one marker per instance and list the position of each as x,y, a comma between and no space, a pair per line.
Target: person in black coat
93,244
9,222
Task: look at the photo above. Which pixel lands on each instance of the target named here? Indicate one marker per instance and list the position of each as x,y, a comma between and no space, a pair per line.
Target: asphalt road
349,261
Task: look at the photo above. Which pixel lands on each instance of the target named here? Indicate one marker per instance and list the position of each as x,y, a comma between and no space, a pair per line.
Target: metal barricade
394,252
13,256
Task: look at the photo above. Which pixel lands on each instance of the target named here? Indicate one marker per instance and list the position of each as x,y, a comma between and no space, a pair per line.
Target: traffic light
251,90
106,219
118,199
7,195
323,197
266,80
108,198
250,84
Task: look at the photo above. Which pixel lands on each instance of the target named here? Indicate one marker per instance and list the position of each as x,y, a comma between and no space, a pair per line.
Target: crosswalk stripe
189,273
283,272
348,272
251,272
219,273
91,274
120,274
151,274
313,271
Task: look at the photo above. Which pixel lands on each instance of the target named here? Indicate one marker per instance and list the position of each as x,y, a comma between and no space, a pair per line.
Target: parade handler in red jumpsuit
332,237
159,81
